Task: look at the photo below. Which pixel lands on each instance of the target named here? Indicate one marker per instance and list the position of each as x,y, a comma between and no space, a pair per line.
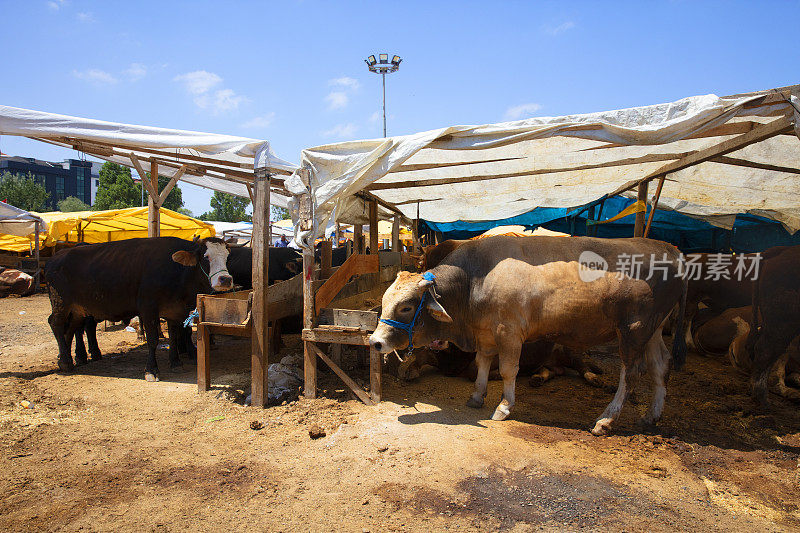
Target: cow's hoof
65,366
602,428
96,356
475,404
501,413
150,377
81,360
593,379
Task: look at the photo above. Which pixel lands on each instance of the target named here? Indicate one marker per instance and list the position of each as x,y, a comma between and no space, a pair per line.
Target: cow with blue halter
151,278
492,295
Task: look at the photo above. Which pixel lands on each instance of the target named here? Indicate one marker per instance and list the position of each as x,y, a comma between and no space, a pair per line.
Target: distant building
72,177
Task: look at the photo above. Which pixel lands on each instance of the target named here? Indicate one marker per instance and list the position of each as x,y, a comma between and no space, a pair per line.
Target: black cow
152,278
338,255
284,263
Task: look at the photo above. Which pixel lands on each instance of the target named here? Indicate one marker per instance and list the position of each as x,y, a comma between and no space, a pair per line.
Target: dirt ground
102,449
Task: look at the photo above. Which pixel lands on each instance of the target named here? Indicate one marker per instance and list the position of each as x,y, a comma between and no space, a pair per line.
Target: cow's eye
406,309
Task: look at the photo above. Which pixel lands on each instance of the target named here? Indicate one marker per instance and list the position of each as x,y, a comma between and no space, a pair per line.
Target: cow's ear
437,310
185,258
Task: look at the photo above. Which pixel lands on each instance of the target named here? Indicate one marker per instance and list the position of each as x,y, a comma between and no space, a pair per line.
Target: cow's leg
658,357
484,362
81,356
176,334
59,327
509,367
191,349
768,349
629,372
90,327
780,370
541,376
151,327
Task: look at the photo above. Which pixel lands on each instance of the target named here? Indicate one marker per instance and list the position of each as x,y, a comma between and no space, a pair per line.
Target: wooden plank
752,164
353,337
286,298
243,330
373,227
251,195
170,185
259,344
638,226
358,240
326,259
355,264
309,359
358,391
203,359
375,375
153,210
366,320
757,134
361,300
655,205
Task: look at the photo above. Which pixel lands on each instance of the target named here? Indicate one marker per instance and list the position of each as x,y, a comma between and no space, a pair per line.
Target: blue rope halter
408,327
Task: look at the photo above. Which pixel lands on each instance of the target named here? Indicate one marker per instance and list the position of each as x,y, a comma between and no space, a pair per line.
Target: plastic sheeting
562,162
105,226
107,140
16,221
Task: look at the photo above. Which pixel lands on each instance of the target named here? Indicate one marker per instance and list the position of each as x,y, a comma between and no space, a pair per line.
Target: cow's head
211,256
401,302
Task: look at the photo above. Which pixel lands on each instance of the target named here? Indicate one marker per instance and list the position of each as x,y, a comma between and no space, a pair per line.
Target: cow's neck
452,286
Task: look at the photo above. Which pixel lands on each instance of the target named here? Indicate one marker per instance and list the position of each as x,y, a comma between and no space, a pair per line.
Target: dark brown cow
433,255
492,295
776,314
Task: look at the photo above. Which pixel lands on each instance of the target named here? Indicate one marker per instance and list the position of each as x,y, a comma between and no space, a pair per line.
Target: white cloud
55,5
86,17
199,81
522,111
264,121
375,117
341,131
345,83
337,100
135,72
561,28
96,76
200,84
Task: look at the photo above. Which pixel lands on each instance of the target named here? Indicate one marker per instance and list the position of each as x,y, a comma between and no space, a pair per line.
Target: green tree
71,203
117,190
279,213
185,211
227,208
23,192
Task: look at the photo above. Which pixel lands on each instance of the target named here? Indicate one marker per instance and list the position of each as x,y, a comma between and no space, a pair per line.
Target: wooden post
358,241
203,359
309,356
415,233
375,374
153,210
396,234
373,227
37,277
655,205
326,259
259,358
638,228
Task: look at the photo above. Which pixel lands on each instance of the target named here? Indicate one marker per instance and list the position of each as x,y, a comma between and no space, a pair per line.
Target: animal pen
711,157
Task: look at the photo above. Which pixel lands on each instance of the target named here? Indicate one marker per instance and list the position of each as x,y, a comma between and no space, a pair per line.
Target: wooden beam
752,164
38,275
203,359
375,375
325,260
260,347
638,227
250,194
355,264
373,227
142,174
153,211
353,336
170,185
358,231
655,205
758,134
396,235
352,385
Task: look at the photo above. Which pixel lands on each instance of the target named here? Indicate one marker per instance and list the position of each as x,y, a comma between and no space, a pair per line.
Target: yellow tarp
106,226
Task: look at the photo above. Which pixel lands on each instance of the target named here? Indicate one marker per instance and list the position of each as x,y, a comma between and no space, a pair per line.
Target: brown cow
433,255
492,295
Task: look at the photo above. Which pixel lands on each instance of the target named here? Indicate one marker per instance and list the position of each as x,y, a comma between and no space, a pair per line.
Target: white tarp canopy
16,221
220,162
720,155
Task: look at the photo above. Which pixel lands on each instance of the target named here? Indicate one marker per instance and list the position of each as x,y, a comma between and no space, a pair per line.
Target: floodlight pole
383,77
382,65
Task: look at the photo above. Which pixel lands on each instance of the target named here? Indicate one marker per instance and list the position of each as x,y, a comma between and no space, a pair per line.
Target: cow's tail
679,339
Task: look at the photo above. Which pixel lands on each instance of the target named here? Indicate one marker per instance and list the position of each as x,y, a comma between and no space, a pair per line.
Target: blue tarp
750,233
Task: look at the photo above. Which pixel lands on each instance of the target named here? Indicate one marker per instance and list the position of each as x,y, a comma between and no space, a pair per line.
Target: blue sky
292,72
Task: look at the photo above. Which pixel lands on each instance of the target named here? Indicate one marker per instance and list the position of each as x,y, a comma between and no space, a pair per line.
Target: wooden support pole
309,356
38,276
260,346
373,227
638,227
203,359
415,246
396,234
325,260
153,214
655,205
163,195
358,241
375,375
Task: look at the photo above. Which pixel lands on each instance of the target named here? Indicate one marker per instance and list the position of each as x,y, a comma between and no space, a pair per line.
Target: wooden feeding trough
231,314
